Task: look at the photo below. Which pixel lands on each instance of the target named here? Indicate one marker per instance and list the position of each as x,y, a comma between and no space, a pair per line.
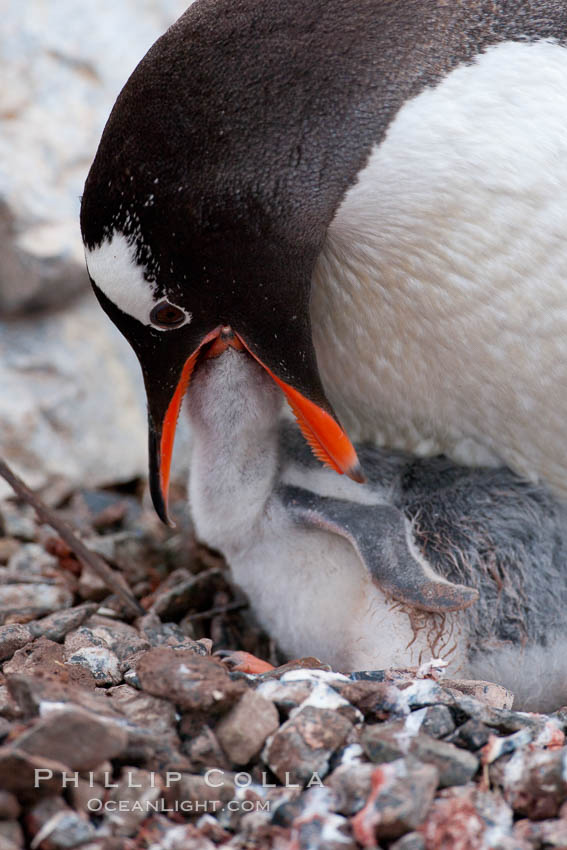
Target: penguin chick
427,558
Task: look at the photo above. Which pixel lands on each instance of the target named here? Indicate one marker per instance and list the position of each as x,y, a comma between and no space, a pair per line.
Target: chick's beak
325,436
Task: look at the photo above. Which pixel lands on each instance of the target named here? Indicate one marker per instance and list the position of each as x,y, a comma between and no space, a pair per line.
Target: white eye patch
113,267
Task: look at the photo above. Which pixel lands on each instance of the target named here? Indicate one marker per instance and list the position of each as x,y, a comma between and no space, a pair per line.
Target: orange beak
326,438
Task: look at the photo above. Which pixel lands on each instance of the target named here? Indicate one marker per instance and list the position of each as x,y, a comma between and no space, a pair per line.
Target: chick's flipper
382,537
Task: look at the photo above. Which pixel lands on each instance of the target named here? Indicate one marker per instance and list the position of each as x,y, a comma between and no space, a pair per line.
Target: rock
191,681
350,784
55,826
122,639
33,600
534,782
11,835
472,735
68,393
32,560
169,635
389,741
317,827
376,700
28,775
400,797
17,521
9,806
201,745
206,793
101,662
8,547
467,819
55,626
46,659
410,841
9,708
300,750
437,721
243,731
139,789
13,637
486,692
75,737
546,833
144,710
91,586
285,695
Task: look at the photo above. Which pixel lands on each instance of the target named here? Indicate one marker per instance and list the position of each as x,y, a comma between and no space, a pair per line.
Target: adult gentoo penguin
372,195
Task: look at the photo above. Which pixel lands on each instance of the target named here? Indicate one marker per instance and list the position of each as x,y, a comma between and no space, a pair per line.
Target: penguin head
204,208
172,268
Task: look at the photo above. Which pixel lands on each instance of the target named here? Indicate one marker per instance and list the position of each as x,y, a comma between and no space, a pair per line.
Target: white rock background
71,399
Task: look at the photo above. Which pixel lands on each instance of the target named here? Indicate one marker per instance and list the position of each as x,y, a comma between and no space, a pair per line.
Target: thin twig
91,559
220,609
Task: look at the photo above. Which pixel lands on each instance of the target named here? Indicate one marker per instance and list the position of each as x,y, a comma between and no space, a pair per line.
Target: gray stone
303,745
19,773
437,721
18,521
35,599
124,640
472,735
13,637
74,737
400,797
55,626
11,835
144,710
488,693
410,841
100,661
139,789
243,731
191,681
389,741
351,784
9,806
71,406
533,782
55,826
31,561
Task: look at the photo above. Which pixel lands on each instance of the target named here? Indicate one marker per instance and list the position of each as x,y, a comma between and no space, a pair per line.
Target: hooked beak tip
357,474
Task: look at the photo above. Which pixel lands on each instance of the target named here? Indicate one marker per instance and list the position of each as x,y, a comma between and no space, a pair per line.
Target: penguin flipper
381,535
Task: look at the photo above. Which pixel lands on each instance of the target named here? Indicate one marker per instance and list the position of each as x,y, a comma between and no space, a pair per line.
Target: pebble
533,781
55,826
301,748
17,521
101,662
74,737
243,731
191,681
401,794
11,835
139,789
18,773
388,741
153,713
35,599
9,807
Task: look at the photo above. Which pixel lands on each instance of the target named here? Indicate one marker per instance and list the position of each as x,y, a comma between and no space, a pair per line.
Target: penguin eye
166,315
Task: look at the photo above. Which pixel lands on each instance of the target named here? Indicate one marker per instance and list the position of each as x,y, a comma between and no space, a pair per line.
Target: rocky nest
122,730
